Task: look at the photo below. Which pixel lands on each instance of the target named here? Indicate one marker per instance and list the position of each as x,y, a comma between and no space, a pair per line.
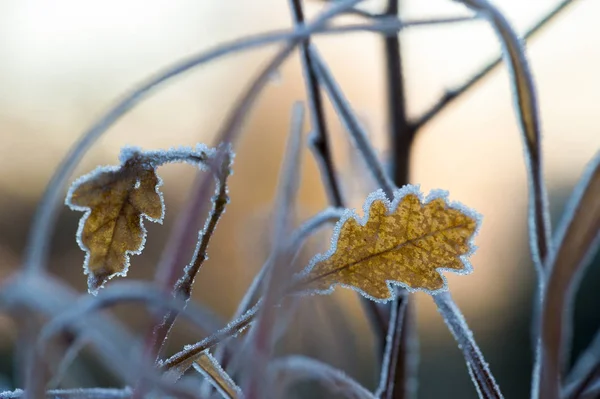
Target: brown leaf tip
407,242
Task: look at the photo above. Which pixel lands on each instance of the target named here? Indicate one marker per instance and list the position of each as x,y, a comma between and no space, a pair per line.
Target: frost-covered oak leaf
115,199
407,243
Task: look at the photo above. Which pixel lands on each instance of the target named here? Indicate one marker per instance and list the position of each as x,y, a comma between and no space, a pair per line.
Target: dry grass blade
528,115
578,238
67,360
208,366
585,372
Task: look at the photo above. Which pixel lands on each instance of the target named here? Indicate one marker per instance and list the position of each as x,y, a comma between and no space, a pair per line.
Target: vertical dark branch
401,137
401,132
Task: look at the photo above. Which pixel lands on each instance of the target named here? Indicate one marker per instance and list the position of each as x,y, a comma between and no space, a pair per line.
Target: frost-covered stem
183,287
401,136
545,385
261,339
218,164
352,125
79,393
452,94
320,140
190,353
199,156
405,384
321,149
484,380
46,214
387,376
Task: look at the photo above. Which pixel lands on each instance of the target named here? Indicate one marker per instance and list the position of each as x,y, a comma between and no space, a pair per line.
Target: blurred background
65,62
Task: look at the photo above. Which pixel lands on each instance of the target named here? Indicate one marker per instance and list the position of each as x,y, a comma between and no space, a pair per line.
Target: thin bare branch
526,109
187,356
320,140
452,94
183,287
437,21
401,136
352,125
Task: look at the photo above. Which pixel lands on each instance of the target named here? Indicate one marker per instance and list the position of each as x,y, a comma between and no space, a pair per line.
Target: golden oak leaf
405,243
114,200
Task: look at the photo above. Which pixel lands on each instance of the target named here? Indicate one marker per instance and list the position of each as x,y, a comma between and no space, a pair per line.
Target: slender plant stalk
401,135
320,139
188,354
321,148
183,287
